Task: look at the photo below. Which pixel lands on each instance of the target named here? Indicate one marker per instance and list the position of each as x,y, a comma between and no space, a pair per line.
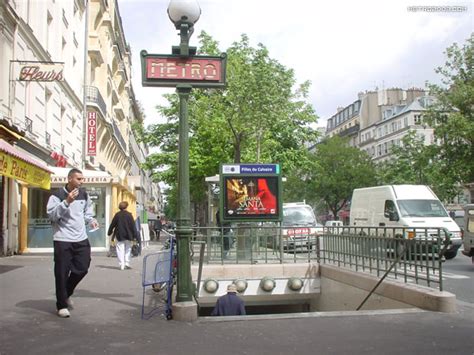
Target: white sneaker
122,267
64,313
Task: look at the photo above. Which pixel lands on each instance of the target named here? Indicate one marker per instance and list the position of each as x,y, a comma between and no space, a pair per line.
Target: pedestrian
224,228
158,226
230,304
123,231
67,209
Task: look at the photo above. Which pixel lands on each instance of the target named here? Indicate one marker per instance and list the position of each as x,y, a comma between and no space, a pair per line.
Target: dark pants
71,263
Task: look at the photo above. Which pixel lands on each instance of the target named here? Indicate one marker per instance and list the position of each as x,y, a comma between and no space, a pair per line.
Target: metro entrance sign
170,70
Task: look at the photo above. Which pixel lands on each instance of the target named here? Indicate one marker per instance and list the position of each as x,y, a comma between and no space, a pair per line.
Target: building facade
66,100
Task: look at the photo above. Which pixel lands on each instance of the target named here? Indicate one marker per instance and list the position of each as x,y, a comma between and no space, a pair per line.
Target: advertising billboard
250,192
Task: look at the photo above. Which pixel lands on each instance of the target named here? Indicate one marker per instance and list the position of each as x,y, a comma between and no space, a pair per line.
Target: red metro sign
171,70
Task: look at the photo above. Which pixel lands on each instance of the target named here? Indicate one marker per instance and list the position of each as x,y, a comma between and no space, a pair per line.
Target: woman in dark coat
124,231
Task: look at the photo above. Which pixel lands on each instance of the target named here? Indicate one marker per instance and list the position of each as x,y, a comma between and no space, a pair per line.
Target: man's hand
72,196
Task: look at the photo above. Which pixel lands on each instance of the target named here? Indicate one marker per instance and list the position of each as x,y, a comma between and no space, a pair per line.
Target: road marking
454,276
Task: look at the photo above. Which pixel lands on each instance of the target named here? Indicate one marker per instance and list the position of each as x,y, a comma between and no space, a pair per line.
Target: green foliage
452,116
336,170
259,117
450,162
413,162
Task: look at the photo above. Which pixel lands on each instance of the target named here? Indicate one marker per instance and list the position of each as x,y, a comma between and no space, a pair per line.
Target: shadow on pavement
45,306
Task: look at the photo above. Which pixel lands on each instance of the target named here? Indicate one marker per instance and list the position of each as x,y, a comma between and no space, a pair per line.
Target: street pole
184,70
183,223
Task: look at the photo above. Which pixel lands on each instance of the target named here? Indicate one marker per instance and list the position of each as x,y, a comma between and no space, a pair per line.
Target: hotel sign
92,133
164,70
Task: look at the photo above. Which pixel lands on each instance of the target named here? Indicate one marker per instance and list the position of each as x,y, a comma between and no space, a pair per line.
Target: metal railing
94,97
410,254
407,254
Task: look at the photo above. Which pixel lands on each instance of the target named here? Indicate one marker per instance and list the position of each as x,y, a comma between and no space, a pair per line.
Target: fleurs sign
170,70
33,71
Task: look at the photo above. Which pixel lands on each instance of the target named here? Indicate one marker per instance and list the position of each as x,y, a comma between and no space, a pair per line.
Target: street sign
250,168
169,70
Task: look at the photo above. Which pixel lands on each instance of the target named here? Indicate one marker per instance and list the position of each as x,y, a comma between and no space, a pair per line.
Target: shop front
19,174
105,192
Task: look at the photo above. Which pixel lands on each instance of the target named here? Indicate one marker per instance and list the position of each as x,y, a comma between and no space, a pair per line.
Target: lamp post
184,14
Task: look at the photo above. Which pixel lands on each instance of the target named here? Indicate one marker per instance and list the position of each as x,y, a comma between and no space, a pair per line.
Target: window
389,209
65,20
29,125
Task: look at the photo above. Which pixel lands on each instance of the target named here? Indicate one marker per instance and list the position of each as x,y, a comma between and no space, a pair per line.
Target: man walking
229,304
67,209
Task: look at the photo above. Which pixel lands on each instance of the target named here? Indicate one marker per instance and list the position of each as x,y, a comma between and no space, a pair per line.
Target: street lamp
184,14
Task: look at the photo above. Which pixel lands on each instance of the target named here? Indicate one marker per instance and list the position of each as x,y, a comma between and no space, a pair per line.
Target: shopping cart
158,273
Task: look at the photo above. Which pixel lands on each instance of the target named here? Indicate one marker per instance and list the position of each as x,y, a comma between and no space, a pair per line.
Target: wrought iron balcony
94,97
118,136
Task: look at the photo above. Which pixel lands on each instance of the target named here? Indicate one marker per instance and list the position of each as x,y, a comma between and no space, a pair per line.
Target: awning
20,166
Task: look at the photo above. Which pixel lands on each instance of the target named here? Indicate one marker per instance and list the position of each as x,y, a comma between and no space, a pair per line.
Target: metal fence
412,255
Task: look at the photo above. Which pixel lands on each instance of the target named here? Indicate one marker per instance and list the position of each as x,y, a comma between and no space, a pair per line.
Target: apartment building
378,138
42,46
66,100
367,110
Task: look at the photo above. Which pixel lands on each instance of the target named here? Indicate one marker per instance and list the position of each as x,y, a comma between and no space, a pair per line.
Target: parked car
299,226
334,227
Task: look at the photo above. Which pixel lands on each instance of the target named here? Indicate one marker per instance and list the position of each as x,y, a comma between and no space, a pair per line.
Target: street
458,277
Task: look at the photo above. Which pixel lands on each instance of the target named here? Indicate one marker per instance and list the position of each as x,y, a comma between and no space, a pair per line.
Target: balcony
350,131
95,49
94,97
118,136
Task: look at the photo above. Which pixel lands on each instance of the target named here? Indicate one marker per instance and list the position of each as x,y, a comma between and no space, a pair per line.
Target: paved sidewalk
106,320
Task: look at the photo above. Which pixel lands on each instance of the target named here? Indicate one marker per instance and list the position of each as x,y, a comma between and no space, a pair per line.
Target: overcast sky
342,46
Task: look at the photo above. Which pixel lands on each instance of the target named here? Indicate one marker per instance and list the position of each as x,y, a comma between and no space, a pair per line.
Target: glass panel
421,208
98,195
40,233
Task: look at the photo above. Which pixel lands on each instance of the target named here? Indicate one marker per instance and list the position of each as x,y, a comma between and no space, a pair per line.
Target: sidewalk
106,320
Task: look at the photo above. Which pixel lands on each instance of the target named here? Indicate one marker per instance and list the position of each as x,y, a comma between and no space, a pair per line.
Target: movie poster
251,196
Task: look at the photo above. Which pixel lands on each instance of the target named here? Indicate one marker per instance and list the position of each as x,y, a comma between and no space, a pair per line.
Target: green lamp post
184,14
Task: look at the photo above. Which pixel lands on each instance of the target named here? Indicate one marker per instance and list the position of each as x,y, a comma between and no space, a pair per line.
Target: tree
258,117
409,163
336,170
413,162
452,115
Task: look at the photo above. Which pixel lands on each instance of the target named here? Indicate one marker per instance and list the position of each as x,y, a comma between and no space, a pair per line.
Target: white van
408,206
468,233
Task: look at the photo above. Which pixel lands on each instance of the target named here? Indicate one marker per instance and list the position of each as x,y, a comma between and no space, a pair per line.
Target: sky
342,47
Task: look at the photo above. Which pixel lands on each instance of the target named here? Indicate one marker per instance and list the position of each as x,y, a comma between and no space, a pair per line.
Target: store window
40,233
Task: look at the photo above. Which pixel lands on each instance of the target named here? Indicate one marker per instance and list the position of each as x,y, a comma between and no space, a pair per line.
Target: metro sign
164,70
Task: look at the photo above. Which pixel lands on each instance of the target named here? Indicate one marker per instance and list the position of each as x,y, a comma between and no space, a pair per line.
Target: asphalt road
458,277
